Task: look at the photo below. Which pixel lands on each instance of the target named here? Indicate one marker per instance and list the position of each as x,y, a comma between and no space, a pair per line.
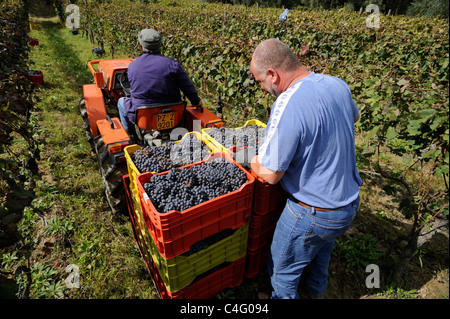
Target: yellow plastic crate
137,223
219,145
133,172
253,122
140,227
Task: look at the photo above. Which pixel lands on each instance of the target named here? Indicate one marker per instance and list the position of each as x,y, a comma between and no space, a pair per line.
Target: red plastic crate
33,42
36,78
256,260
174,232
267,197
205,288
261,228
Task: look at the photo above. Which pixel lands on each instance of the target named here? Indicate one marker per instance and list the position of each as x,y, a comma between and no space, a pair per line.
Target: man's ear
273,76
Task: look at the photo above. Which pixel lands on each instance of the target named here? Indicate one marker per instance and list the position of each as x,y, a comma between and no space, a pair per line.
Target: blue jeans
123,115
305,237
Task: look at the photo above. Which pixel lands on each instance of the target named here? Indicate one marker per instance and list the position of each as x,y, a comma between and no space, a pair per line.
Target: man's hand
266,174
200,105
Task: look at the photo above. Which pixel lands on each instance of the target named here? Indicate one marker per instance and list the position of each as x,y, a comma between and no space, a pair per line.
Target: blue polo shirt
311,136
155,78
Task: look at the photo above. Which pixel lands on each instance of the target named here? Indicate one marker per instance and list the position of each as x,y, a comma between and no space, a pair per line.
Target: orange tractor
154,124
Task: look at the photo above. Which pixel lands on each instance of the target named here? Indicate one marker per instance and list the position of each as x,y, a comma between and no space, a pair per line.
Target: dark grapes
182,188
247,140
34,72
170,155
209,241
153,159
252,135
189,150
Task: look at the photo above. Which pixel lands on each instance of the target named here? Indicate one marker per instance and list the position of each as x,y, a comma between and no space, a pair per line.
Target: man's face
265,80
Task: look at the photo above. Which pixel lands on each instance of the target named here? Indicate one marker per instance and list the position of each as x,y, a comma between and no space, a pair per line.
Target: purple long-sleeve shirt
155,78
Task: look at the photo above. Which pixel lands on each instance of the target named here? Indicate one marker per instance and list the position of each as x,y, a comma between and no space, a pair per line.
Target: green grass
69,194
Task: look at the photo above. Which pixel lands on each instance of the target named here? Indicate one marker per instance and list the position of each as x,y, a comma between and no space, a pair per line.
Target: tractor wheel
86,126
112,178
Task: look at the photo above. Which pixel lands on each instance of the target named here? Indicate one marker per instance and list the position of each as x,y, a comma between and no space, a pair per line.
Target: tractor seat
159,117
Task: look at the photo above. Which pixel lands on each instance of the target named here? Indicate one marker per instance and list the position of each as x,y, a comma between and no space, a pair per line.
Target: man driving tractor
153,79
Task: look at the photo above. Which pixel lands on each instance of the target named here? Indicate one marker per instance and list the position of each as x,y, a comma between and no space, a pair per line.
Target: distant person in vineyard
309,148
154,79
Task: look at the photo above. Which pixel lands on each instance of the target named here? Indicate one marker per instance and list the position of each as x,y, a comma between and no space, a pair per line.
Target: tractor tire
86,125
111,174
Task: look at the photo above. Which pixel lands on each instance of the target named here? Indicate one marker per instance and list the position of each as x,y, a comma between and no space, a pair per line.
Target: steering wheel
124,83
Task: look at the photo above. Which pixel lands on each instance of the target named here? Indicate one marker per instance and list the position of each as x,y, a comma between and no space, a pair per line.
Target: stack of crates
268,203
165,239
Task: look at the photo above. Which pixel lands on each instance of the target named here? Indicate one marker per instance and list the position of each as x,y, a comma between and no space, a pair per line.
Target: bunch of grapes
248,139
170,155
153,159
182,188
209,241
189,150
34,72
249,135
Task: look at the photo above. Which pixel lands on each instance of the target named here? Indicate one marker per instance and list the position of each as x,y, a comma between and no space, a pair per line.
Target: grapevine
18,148
16,165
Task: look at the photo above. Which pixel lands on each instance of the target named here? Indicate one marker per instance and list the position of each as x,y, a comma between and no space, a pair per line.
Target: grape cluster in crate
249,135
165,157
244,142
183,188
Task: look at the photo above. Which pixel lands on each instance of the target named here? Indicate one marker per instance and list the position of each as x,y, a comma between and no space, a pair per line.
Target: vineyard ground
102,245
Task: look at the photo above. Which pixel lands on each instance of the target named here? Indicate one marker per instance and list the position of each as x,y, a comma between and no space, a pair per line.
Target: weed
59,227
380,214
399,293
45,282
358,250
28,222
9,260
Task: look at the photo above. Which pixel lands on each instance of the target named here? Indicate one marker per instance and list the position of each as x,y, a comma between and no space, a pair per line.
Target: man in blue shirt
309,148
154,79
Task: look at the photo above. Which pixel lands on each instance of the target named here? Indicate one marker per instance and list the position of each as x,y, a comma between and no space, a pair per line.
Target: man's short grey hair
273,53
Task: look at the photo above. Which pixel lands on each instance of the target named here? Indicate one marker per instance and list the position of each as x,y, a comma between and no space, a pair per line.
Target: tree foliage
17,159
418,7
